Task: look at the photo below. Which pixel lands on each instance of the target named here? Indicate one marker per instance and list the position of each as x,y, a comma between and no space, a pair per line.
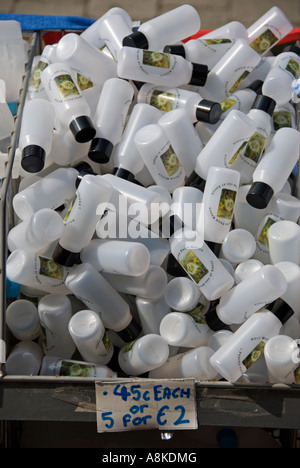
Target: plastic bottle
127,158
82,218
151,285
193,364
238,246
268,30
90,65
283,116
168,99
24,359
117,257
284,242
90,337
274,169
218,339
57,367
247,268
211,47
65,150
291,272
110,118
88,285
200,263
35,87
282,359
22,319
159,68
112,30
36,271
159,156
151,313
179,329
71,107
187,206
246,216
230,72
55,312
182,294
220,193
36,134
168,28
255,292
143,355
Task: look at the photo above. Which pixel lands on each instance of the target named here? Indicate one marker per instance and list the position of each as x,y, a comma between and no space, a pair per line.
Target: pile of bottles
157,228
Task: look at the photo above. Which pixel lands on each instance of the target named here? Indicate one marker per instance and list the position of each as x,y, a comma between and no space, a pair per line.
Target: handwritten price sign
146,404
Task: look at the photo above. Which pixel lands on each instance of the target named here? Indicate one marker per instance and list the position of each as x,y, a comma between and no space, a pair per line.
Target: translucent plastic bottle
247,268
57,367
159,68
22,319
291,272
35,87
282,359
154,34
143,355
71,107
151,313
274,169
238,246
284,242
65,150
24,359
182,294
82,218
36,134
179,329
91,339
159,156
110,118
112,30
211,47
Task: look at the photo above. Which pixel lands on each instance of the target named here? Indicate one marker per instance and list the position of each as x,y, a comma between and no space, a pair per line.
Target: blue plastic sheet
39,22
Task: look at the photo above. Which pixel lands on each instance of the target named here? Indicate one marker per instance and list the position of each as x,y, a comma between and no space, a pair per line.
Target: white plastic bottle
127,158
284,242
211,47
24,359
238,246
184,138
159,68
286,69
220,193
65,150
187,206
91,65
151,313
55,312
35,87
36,134
88,285
282,359
182,294
193,364
112,30
247,268
36,271
143,355
22,319
71,107
255,292
201,264
159,156
90,337
274,169
117,257
82,217
168,28
291,272
246,216
268,30
247,344
57,367
228,74
170,99
180,329
110,118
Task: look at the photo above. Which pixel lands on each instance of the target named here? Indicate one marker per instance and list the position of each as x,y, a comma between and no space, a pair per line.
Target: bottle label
216,41
226,204
163,101
76,369
194,267
106,49
45,334
198,314
264,42
263,238
51,269
106,342
70,209
156,59
228,104
253,357
282,119
83,82
250,151
239,81
293,67
66,86
171,162
297,375
35,81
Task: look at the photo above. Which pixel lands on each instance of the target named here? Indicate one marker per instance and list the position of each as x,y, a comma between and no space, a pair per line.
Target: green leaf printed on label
282,119
83,82
264,42
51,269
105,47
74,369
129,347
254,355
226,204
255,147
239,81
294,68
227,104
156,59
263,237
197,314
163,101
106,341
171,162
194,267
70,209
66,86
35,81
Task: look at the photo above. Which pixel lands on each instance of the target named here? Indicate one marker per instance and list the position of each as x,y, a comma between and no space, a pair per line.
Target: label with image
83,82
163,101
76,369
35,81
66,86
239,81
254,356
251,150
282,119
51,269
226,204
228,104
171,162
156,59
194,267
70,209
198,314
263,238
264,42
216,41
106,342
293,67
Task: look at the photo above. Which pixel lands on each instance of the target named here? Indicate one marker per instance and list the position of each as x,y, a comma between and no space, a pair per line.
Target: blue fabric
38,22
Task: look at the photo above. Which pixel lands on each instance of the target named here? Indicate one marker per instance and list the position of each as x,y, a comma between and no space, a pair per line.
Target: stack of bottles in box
157,214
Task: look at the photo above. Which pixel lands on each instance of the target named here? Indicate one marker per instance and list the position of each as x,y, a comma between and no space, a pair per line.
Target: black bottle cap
214,322
83,169
138,84
33,158
260,195
282,311
199,75
82,129
131,332
292,48
256,86
100,150
174,268
137,40
175,50
214,247
64,257
208,111
123,174
265,104
196,181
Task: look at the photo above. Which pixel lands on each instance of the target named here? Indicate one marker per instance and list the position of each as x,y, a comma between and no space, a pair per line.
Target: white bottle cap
25,359
238,246
22,319
181,294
